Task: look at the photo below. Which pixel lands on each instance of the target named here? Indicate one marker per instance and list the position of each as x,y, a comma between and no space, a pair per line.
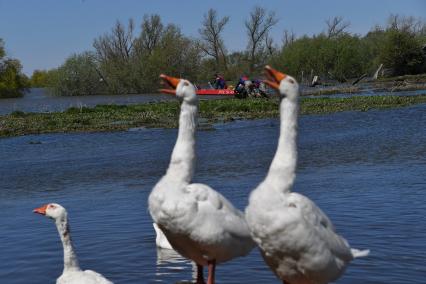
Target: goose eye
291,81
52,206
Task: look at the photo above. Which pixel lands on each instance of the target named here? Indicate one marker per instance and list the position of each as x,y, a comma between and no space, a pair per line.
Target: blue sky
42,33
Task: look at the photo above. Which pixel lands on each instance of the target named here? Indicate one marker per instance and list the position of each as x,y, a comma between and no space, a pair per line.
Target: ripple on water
365,170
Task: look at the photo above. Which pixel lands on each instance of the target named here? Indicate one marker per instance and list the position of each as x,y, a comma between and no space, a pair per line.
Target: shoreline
165,114
391,84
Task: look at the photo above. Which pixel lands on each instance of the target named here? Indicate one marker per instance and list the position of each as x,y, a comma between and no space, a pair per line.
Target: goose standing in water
72,273
296,238
199,222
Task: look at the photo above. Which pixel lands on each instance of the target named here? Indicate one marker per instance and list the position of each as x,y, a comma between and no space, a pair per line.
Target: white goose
199,223
72,273
296,238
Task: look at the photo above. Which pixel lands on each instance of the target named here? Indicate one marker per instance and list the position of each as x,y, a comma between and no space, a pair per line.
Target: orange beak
274,77
171,83
41,210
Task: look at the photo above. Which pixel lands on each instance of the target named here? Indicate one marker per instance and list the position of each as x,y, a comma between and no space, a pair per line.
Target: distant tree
211,42
336,26
77,76
258,26
114,52
39,79
288,38
270,46
402,53
116,45
13,82
336,58
150,36
2,52
238,64
408,24
348,56
372,44
173,54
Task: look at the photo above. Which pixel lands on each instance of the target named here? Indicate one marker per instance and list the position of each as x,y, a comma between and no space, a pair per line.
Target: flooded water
368,93
366,170
39,100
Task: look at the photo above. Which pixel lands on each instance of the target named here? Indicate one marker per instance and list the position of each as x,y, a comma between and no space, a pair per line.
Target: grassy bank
164,114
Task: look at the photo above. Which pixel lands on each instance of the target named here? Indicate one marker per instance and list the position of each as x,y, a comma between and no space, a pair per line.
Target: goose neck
281,173
70,258
182,162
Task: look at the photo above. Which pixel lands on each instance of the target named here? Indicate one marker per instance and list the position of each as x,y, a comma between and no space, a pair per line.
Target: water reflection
169,261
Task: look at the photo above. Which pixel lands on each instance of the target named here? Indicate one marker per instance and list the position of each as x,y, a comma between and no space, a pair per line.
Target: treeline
337,54
13,82
123,61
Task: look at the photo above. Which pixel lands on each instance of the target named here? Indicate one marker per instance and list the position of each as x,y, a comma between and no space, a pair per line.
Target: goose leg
200,276
212,268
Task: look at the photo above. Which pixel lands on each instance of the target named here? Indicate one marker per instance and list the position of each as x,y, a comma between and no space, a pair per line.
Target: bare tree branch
269,43
336,26
288,38
407,24
211,41
118,45
151,31
258,26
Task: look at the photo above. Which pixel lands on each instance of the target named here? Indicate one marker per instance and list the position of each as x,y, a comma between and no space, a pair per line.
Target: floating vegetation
165,114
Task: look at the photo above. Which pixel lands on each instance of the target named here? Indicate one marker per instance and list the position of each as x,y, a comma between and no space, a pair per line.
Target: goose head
52,210
286,85
182,88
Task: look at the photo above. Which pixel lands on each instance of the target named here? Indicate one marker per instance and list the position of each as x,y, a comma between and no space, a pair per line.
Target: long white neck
70,258
182,162
282,171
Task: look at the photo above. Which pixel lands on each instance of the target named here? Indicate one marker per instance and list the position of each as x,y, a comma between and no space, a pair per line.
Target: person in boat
219,82
240,87
257,89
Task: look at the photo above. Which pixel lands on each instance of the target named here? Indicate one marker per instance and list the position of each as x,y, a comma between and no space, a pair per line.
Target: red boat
215,92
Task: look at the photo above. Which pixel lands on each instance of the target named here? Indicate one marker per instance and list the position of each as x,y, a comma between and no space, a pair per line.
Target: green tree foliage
402,53
13,82
131,64
339,55
126,62
39,79
173,54
77,76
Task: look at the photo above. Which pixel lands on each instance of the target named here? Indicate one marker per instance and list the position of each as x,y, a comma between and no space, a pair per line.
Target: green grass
165,114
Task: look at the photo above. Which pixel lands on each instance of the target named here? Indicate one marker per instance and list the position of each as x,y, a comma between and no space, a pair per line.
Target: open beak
170,83
274,77
41,210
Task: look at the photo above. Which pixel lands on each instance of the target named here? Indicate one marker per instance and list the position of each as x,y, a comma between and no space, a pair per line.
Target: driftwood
359,79
376,74
315,81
